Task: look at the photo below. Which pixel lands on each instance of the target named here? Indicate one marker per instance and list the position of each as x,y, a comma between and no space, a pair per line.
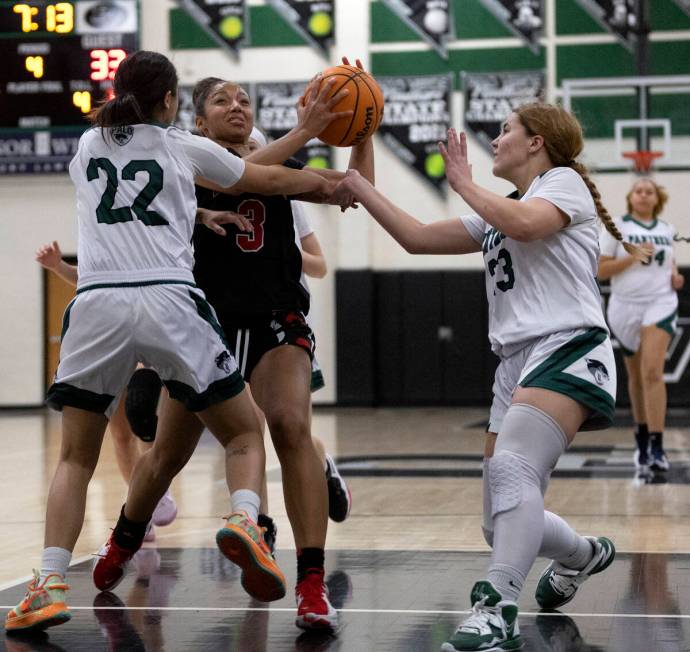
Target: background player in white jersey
314,265
642,313
136,301
557,372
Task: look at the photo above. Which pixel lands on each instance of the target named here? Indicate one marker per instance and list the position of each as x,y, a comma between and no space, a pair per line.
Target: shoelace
312,587
481,615
256,532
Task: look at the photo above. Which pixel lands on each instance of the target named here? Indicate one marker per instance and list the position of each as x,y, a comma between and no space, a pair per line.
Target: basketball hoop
643,160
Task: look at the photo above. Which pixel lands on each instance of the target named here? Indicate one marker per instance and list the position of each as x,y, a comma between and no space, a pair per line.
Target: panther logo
223,361
122,135
598,370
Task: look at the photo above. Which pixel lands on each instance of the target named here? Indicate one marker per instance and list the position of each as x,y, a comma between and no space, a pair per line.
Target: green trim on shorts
666,324
550,375
61,394
65,319
218,391
317,381
134,284
205,311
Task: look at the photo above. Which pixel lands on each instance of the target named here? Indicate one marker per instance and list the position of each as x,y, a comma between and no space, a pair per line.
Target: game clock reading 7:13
58,60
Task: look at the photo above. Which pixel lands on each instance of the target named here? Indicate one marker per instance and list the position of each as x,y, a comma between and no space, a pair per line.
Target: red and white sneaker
110,565
314,611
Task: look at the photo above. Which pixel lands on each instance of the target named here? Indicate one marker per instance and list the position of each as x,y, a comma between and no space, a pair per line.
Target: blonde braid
636,252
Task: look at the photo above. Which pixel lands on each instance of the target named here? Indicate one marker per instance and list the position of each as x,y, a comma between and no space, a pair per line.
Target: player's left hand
214,219
458,169
358,63
344,193
677,281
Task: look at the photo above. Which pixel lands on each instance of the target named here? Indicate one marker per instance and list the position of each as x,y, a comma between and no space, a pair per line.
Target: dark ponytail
141,83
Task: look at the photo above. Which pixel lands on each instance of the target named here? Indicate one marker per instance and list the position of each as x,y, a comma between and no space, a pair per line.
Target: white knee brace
527,449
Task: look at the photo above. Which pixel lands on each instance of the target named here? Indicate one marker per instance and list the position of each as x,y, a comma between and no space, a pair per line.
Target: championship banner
275,114
684,5
416,118
225,21
525,18
491,97
618,16
314,20
433,21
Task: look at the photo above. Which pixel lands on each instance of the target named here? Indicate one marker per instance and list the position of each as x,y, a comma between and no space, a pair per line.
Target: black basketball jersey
248,275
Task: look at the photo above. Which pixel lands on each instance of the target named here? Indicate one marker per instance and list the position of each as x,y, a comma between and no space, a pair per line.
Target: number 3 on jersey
255,212
506,261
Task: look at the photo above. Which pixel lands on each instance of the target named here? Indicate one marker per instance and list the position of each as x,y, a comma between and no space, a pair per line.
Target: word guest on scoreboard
58,62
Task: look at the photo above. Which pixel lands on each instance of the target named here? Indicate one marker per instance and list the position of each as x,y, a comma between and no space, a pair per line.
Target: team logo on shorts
123,134
598,370
223,362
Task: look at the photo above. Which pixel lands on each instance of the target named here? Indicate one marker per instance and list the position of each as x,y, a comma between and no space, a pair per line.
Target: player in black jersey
253,282
252,279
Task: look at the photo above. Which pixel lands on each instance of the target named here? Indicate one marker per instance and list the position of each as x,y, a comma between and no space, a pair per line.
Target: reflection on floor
191,600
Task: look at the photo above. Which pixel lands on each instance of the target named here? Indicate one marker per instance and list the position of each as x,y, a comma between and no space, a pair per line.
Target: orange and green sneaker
43,605
242,542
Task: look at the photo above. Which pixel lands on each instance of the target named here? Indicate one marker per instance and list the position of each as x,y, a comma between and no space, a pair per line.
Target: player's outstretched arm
442,237
50,257
610,266
314,114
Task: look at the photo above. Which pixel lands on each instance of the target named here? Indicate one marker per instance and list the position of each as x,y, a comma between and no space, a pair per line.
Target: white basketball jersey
642,282
544,286
136,205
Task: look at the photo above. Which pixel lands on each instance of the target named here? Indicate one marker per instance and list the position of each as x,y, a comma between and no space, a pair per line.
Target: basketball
365,100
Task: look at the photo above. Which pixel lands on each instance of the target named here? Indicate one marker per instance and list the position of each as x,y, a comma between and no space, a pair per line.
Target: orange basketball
365,100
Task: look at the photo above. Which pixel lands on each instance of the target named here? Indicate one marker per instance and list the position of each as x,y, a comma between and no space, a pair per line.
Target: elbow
411,247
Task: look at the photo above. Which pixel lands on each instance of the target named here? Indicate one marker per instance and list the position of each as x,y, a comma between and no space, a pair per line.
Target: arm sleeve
211,161
607,244
303,226
565,189
475,226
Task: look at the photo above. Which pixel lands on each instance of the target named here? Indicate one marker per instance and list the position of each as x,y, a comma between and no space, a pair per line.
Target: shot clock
58,62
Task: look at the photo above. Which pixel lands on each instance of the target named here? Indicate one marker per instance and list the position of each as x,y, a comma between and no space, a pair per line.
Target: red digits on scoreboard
104,63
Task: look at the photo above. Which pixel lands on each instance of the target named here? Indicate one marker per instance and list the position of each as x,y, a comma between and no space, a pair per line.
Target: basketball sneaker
110,565
557,585
166,510
658,460
242,542
314,611
491,627
339,496
43,605
641,459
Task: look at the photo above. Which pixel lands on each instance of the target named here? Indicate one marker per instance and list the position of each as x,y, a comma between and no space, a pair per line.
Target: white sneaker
166,510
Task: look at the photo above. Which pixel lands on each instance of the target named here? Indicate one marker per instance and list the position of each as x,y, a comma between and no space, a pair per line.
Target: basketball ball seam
373,97
354,112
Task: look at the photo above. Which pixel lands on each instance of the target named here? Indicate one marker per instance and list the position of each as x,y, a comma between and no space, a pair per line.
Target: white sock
246,500
563,544
54,560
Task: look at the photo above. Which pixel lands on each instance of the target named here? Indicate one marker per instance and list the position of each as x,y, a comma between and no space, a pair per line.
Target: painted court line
375,611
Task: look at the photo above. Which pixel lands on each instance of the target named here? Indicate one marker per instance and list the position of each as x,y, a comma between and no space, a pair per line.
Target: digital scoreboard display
57,62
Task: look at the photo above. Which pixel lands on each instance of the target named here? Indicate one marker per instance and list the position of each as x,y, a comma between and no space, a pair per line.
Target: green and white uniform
642,295
136,298
545,318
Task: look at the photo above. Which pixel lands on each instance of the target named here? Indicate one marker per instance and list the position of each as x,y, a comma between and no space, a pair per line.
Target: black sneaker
658,460
339,496
270,531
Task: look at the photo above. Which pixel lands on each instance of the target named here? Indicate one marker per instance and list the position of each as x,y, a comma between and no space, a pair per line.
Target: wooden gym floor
399,569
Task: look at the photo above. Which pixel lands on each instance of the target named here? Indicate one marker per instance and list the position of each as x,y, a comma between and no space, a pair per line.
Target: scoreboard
57,62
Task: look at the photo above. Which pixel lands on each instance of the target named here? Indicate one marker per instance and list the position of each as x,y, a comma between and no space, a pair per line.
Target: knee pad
527,449
141,403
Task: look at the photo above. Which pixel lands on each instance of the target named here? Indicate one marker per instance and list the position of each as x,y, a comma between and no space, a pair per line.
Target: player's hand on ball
315,108
677,281
49,255
214,219
458,169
